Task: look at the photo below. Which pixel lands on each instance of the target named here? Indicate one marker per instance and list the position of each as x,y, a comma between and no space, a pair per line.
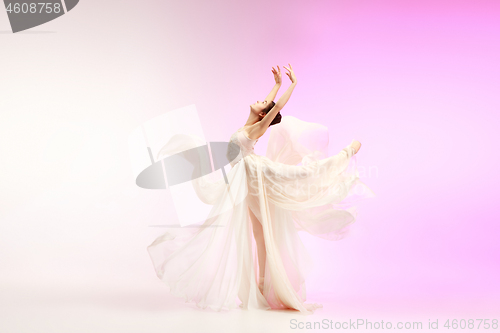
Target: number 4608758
32,7
471,324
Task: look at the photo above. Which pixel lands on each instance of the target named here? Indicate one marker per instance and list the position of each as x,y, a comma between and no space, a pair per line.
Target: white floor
24,309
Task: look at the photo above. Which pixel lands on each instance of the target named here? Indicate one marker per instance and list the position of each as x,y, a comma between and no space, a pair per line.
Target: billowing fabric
295,187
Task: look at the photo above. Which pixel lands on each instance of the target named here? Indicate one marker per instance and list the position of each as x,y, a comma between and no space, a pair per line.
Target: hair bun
277,118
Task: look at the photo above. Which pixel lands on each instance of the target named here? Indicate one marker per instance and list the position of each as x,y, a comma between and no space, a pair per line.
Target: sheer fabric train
215,265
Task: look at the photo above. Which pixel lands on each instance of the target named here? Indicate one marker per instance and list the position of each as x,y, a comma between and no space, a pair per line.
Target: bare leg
261,246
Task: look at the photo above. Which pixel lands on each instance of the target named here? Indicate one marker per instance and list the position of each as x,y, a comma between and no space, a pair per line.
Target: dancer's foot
356,145
261,284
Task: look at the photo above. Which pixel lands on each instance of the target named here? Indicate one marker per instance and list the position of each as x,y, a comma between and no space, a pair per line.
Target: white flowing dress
295,187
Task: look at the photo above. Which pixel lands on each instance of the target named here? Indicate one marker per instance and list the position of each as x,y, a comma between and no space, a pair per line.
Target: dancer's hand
291,74
277,75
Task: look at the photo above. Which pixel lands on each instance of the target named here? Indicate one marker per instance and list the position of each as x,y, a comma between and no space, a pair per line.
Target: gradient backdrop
417,82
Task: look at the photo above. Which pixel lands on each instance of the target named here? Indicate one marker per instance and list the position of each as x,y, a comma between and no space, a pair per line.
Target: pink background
417,82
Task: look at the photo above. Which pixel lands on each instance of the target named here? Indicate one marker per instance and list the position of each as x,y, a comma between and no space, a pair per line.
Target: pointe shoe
356,145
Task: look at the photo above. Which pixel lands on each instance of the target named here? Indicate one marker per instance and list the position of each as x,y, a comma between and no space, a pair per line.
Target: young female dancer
253,252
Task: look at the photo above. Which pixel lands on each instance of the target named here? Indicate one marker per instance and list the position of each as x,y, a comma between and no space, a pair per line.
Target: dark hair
277,118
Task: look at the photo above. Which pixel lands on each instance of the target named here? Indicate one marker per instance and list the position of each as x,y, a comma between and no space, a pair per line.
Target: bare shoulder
254,131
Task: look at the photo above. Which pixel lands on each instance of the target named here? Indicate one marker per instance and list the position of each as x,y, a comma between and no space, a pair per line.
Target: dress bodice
240,145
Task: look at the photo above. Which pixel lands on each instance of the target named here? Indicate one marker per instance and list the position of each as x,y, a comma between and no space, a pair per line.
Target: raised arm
277,79
266,121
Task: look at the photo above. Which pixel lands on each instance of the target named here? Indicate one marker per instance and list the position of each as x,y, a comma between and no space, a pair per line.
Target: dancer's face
258,107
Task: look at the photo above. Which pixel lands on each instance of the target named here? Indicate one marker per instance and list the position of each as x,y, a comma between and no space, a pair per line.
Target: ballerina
254,252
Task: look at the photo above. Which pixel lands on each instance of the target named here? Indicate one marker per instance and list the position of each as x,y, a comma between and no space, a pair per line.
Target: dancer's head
260,109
